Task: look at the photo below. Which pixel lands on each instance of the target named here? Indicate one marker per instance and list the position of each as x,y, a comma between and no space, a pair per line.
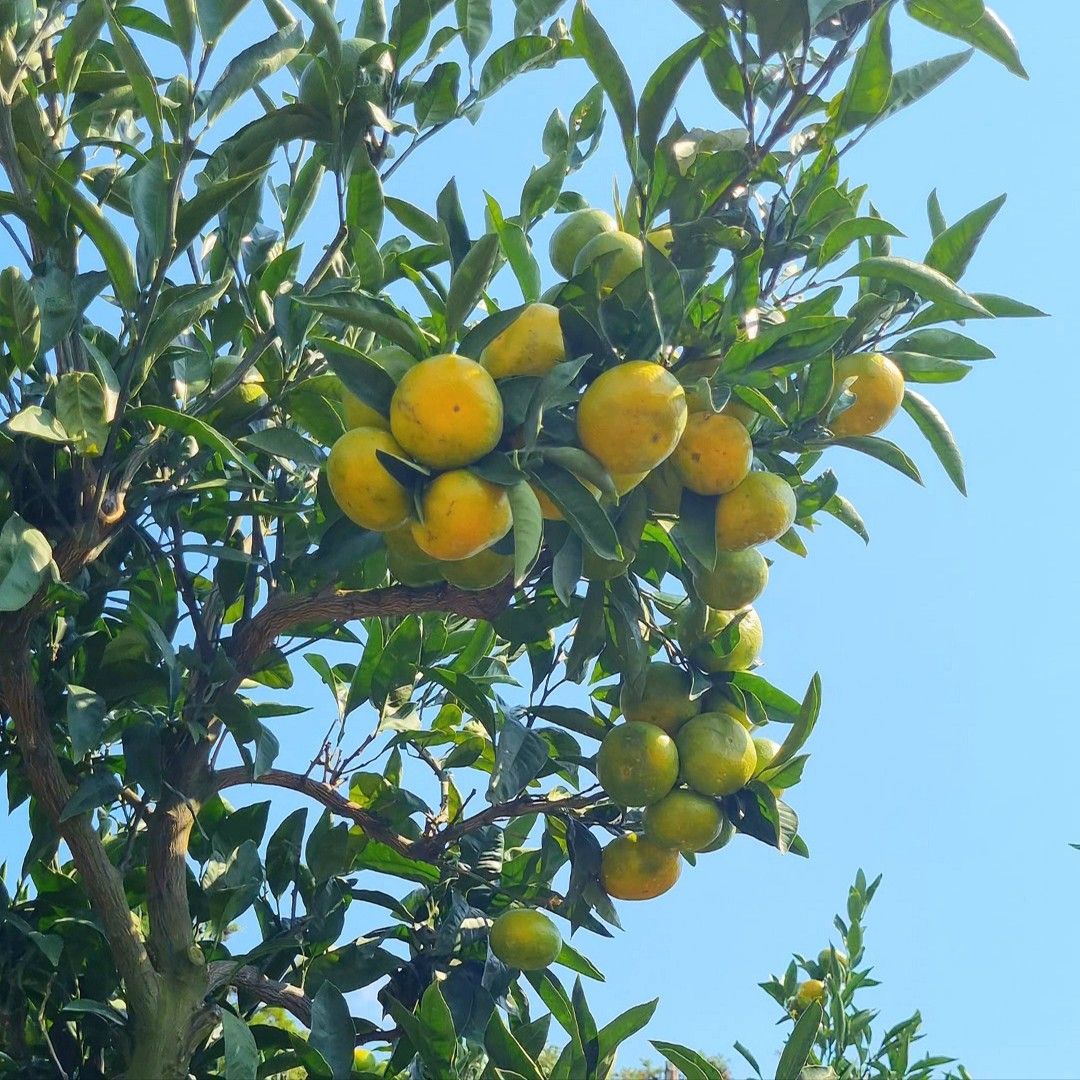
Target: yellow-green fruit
760,509
627,481
574,232
665,700
878,389
727,831
635,868
446,412
714,700
706,654
525,939
463,514
364,1061
360,483
318,89
241,401
664,489
531,345
407,563
716,754
662,239
765,750
684,820
632,416
825,958
619,254
637,764
480,571
809,991
737,580
714,454
360,414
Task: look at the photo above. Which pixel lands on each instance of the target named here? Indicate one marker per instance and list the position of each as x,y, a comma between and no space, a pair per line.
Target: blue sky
942,756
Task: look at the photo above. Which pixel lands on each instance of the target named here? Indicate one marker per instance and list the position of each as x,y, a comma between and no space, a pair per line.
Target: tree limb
333,800
287,610
249,980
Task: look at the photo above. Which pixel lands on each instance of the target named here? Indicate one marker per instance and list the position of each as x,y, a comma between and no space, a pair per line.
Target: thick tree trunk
163,1045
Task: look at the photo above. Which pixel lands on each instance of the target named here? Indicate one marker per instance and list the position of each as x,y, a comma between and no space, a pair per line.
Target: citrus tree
257,406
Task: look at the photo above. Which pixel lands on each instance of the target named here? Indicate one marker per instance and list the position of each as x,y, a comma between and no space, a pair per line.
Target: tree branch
287,610
333,800
249,980
429,849
23,700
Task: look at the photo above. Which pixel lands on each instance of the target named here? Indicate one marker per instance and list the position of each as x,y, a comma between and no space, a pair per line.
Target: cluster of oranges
677,755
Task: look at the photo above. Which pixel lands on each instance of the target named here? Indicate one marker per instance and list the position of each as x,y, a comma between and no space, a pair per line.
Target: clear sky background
945,754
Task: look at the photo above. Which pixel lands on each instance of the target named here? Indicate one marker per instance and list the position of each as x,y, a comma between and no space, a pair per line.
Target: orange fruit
632,416
446,412
531,345
633,867
637,764
684,820
463,514
760,509
525,939
714,454
361,484
665,700
716,754
878,389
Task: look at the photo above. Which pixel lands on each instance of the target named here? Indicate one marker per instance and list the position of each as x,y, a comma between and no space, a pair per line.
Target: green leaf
914,83
513,59
207,204
800,731
469,280
944,343
920,368
149,194
800,1042
215,15
689,1062
932,424
520,754
581,509
182,20
25,558
369,312
198,429
624,1026
661,90
867,92
528,528
241,1051
437,99
104,236
284,443
81,408
884,451
415,219
517,251
83,28
409,27
439,1035
94,790
332,1030
20,318
922,280
847,232
85,720
973,23
952,250
325,27
506,1052
474,20
251,66
142,81
38,423
605,63
359,373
